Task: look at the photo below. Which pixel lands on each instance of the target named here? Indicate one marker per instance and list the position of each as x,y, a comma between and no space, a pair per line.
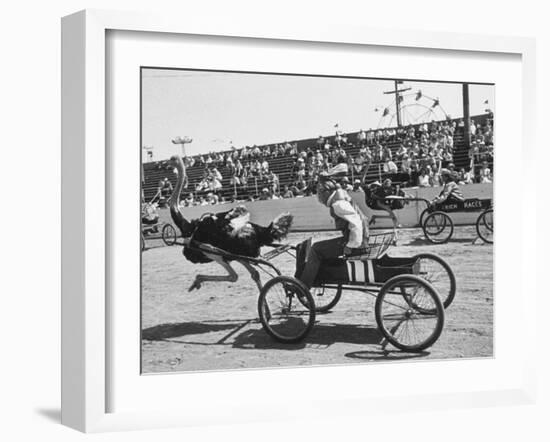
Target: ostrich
230,231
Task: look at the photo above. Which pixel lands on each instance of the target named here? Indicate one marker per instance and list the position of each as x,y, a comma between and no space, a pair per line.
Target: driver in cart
451,191
349,219
150,216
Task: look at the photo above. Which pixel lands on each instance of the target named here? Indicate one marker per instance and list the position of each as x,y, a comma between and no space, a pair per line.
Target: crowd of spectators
409,155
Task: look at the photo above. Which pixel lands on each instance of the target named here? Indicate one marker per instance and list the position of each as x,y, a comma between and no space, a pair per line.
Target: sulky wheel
169,235
283,307
423,216
439,274
325,298
142,242
438,227
409,313
484,226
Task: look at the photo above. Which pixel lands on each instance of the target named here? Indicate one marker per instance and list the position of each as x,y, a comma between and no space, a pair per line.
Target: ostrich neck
175,210
175,197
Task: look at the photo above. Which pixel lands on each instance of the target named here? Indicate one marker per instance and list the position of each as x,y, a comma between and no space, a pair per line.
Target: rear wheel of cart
286,309
438,273
169,235
438,227
409,313
484,226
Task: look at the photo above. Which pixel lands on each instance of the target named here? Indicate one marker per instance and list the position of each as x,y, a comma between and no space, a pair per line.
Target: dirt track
217,327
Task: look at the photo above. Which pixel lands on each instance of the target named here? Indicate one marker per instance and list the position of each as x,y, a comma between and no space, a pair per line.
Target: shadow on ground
322,335
386,355
420,241
178,330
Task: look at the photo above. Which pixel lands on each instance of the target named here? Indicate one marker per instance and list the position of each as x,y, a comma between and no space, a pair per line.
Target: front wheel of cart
484,226
286,309
409,313
438,227
169,235
423,216
438,273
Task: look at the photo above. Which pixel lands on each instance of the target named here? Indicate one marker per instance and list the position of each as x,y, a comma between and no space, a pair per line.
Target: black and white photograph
275,221
295,220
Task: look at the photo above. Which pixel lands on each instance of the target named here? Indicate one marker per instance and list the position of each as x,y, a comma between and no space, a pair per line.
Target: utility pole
397,92
466,112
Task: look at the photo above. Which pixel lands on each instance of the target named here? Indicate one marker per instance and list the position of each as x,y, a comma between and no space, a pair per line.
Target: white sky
214,108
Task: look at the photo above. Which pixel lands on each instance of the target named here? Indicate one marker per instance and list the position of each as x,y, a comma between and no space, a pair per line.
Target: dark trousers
321,250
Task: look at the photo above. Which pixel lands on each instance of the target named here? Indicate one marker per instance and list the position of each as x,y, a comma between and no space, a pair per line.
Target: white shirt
344,209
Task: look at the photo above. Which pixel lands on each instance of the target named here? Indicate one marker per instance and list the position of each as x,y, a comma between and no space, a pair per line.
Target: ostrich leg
230,277
254,274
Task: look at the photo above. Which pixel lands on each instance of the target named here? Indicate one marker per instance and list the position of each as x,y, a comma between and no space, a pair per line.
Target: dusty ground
217,327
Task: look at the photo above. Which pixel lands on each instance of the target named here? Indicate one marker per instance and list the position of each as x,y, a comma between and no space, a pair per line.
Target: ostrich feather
239,222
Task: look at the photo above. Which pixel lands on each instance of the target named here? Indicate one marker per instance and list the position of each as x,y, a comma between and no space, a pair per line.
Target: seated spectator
423,179
320,142
149,214
386,154
344,182
485,173
465,177
229,164
362,138
264,168
301,187
216,174
359,163
357,186
287,193
390,167
402,150
264,194
474,154
370,137
378,152
212,198
164,191
273,181
406,165
190,200
214,184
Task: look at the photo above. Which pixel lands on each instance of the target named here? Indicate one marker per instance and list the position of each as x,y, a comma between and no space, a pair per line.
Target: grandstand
153,172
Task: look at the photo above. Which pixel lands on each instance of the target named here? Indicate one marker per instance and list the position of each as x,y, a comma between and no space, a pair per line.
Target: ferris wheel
409,107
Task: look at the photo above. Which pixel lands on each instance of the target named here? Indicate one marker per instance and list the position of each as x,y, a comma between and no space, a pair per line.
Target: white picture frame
84,200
